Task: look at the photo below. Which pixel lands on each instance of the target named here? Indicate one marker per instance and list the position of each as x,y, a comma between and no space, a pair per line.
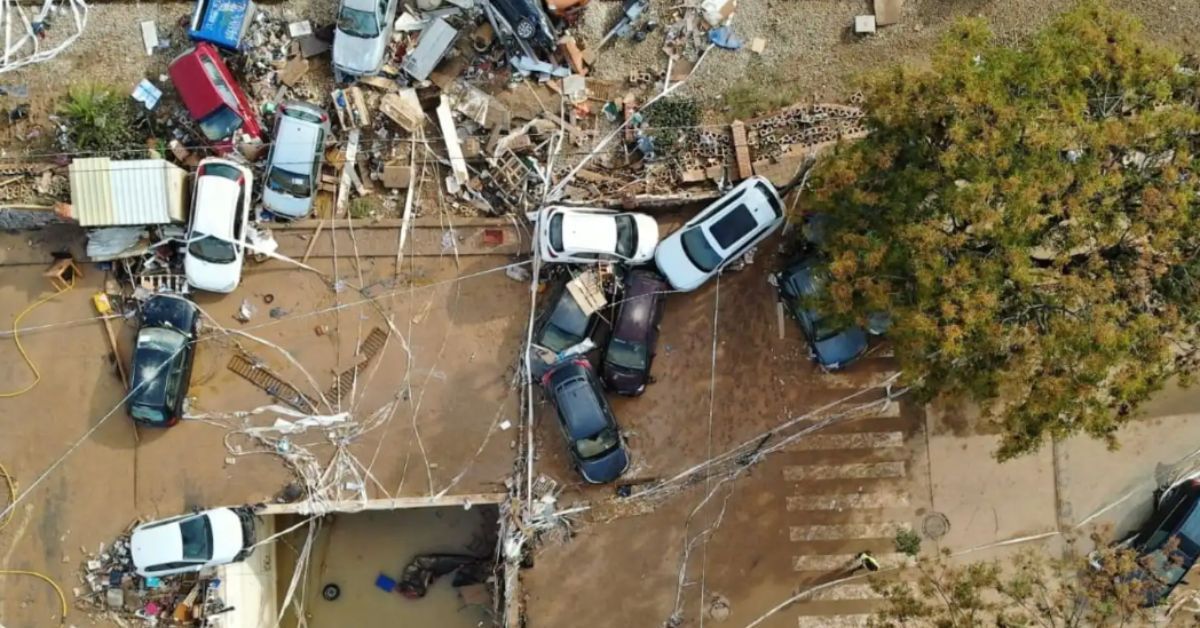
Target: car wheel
525,29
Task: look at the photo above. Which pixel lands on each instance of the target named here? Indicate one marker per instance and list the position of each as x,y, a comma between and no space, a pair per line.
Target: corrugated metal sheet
108,193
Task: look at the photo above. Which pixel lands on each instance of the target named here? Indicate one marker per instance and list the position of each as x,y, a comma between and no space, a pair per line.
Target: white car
720,234
364,28
192,542
294,163
581,235
216,238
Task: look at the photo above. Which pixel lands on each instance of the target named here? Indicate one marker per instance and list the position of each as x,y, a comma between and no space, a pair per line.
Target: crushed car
162,360
193,542
720,234
593,437
212,97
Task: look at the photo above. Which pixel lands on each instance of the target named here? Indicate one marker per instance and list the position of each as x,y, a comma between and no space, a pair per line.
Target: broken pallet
271,384
370,347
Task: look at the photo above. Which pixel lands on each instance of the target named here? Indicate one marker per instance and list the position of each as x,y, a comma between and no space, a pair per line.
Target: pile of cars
708,243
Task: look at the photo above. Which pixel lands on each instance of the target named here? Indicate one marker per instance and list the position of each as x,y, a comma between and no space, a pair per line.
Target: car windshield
357,23
223,122
627,354
212,249
300,113
733,226
1166,568
284,182
197,538
820,328
697,248
225,171
597,443
566,326
626,236
148,414
556,239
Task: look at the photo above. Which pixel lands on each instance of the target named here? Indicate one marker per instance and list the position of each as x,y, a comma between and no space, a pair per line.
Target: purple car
635,333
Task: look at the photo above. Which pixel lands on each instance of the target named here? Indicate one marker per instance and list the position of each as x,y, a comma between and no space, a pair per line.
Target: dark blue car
162,360
1169,543
593,436
833,346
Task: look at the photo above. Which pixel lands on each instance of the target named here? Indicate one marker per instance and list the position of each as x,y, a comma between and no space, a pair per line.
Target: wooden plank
741,150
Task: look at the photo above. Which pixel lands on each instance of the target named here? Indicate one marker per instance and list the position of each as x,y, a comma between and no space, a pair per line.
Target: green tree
1028,216
1027,590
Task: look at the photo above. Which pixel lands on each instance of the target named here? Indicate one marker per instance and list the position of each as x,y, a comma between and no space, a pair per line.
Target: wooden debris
741,150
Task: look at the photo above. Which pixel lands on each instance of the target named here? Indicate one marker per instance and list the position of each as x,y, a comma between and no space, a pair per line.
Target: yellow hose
62,599
37,375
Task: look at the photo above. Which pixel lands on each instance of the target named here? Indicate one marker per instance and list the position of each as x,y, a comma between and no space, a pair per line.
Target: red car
212,97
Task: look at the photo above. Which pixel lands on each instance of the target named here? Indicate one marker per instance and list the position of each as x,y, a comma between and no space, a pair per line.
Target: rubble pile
111,590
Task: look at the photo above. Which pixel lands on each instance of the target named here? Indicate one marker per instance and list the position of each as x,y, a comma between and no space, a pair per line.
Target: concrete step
855,470
854,440
840,531
848,501
833,562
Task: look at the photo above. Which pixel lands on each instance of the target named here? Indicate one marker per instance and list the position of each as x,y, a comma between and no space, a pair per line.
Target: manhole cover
935,526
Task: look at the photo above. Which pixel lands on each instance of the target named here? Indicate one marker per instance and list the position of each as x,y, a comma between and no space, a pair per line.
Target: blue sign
221,22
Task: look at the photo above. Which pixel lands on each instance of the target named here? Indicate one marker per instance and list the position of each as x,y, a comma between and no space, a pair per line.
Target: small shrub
908,542
361,208
98,119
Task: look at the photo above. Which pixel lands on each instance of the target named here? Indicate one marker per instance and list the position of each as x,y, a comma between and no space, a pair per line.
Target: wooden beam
395,503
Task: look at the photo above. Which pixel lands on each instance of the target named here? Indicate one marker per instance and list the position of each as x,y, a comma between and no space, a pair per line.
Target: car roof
216,206
295,143
642,291
586,231
192,83
579,401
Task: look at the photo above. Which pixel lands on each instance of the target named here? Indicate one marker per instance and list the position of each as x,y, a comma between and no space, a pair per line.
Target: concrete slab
986,501
1116,487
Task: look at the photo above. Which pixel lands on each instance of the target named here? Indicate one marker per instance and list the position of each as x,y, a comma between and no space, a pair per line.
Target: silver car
294,163
364,28
720,234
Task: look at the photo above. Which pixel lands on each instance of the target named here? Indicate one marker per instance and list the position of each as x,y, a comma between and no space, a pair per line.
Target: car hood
624,381
210,277
841,349
284,205
155,546
228,538
605,468
647,238
358,55
675,266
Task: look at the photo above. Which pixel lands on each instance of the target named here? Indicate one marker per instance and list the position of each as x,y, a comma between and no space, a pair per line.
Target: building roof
107,193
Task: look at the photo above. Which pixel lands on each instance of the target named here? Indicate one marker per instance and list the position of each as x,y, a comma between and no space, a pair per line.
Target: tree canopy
1028,590
1028,216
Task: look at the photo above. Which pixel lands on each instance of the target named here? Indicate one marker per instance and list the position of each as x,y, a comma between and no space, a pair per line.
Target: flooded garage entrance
410,567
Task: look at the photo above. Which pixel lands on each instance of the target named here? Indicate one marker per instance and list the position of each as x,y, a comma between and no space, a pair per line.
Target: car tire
331,592
525,29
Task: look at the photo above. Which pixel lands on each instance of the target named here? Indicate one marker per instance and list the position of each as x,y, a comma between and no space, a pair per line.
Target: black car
635,332
563,325
586,420
833,346
162,360
522,26
1162,564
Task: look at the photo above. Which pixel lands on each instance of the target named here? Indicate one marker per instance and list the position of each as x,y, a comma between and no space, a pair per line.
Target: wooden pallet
370,347
271,383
